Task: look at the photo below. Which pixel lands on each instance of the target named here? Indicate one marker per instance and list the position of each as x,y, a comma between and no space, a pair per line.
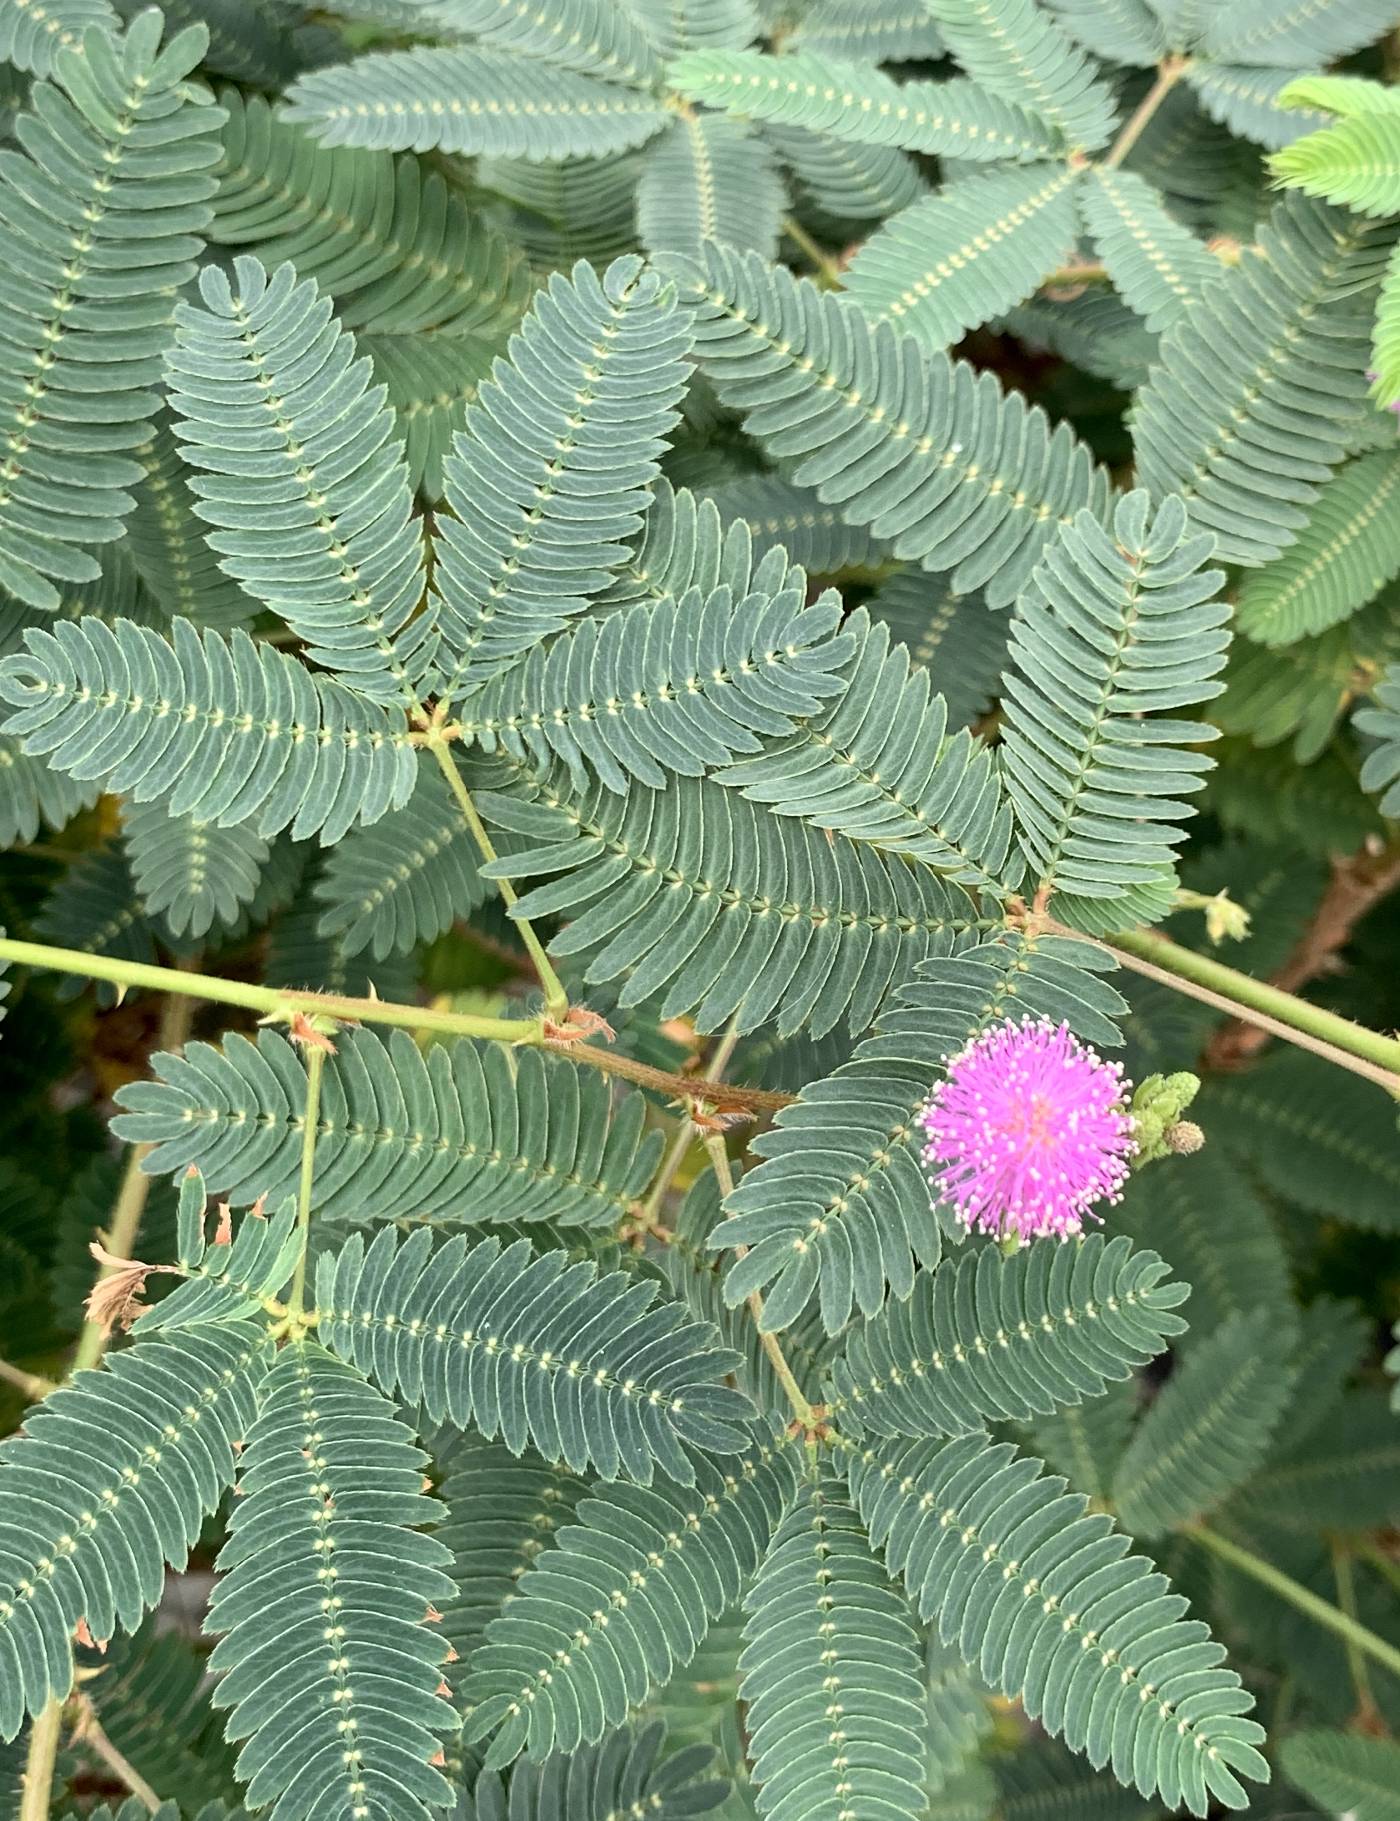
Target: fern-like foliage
831,1675
503,1514
112,1480
543,497
1015,49
31,34
1129,31
403,881
1253,401
968,253
1157,265
220,728
730,183
839,1209
845,179
96,910
1345,553
75,391
676,688
1209,1426
1381,772
472,101
626,1773
1246,98
32,796
1296,32
883,764
190,875
167,542
595,37
589,1368
954,638
724,913
462,1133
935,459
311,504
857,101
1345,1773
399,251
1045,1599
325,1580
985,1337
1111,628
877,31
621,1602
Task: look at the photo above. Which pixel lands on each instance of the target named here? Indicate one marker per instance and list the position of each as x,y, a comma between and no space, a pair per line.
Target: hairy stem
555,998
36,1784
315,1063
269,1002
718,1094
801,1409
1282,1014
1169,73
1352,1633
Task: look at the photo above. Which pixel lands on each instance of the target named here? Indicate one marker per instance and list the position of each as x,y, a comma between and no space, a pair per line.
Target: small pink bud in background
1028,1131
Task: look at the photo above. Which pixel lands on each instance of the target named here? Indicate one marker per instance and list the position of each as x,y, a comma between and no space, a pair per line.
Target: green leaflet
324,1655
595,1782
839,1210
1252,353
594,37
1246,99
951,635
1287,32
405,880
931,457
153,1703
877,31
430,380
1346,1774
1015,49
31,796
30,36
95,909
1157,265
985,1337
311,506
256,737
399,251
1129,31
679,687
621,1602
465,1133
856,101
542,497
881,764
502,1515
827,1636
113,174
591,1369
1356,162
112,1480
690,895
967,253
470,101
168,544
849,181
187,874
1111,629
1208,1427
792,519
710,178
1044,1598
1348,549
1381,772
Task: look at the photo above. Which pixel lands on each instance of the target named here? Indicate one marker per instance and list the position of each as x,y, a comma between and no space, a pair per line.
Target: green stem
1169,74
1388,1570
802,1410
88,1731
37,1784
1350,1046
315,1063
28,1384
1356,1662
1341,1624
555,998
270,1002
828,272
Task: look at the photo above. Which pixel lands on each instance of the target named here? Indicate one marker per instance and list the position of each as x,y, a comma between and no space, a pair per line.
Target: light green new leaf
1356,162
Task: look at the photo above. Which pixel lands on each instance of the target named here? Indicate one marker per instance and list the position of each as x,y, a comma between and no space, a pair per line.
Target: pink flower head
1028,1131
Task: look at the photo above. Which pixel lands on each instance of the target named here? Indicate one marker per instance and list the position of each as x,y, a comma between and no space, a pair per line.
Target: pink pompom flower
1028,1131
